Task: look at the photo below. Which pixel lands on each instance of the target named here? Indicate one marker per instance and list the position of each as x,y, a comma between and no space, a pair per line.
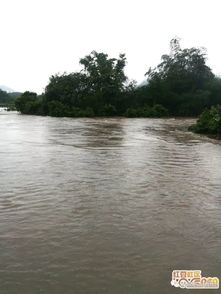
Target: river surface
106,205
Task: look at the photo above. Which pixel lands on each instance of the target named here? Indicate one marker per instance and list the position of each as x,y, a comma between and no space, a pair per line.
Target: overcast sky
43,37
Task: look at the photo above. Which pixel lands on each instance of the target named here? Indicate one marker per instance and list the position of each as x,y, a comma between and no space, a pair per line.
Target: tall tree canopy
98,85
182,70
104,74
180,77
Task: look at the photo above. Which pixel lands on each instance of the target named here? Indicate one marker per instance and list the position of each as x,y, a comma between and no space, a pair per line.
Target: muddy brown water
108,205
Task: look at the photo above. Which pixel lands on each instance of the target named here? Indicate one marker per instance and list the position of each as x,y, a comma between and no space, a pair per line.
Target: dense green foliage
181,85
209,122
147,111
28,103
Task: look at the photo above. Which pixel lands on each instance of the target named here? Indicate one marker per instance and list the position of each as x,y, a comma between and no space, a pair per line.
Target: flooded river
106,205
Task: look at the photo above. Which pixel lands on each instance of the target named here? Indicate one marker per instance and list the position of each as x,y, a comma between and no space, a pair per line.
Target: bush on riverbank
209,122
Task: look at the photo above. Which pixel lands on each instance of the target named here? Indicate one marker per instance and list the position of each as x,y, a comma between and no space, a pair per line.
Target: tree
97,87
105,75
67,89
182,71
27,103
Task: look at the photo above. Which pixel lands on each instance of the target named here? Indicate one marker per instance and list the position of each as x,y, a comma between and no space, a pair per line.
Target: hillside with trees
8,98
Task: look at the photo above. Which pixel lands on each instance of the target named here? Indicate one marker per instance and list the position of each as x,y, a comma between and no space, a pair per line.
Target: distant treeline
181,85
7,99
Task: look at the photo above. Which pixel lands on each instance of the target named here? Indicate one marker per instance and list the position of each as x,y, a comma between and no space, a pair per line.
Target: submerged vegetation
181,85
